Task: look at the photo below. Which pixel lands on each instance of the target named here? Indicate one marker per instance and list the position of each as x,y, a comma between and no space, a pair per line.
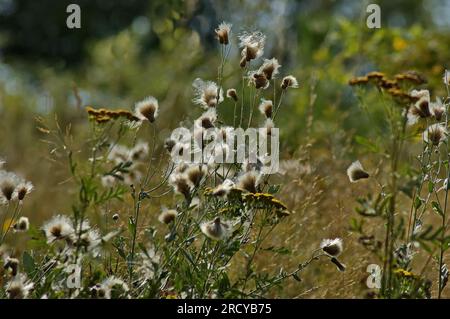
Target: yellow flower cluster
261,200
391,86
404,273
105,115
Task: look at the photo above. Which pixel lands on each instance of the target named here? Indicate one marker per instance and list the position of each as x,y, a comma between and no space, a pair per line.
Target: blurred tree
38,28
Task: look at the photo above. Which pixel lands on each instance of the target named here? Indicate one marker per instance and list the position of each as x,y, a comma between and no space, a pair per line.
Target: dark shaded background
37,29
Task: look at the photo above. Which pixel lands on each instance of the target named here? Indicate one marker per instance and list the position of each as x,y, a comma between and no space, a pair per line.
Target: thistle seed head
289,82
223,32
216,229
266,108
356,172
147,109
332,247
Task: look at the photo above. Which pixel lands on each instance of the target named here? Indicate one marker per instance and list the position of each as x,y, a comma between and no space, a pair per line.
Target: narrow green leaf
437,208
430,187
28,263
418,202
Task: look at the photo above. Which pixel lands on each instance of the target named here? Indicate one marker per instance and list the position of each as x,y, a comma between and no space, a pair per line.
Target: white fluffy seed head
232,94
435,134
270,68
224,188
332,247
167,216
8,185
356,172
59,227
223,33
258,80
437,109
22,225
252,44
180,184
147,109
207,94
266,108
19,287
249,181
216,229
289,82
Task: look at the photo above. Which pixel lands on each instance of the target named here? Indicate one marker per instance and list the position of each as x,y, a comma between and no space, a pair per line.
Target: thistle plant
13,191
410,115
149,222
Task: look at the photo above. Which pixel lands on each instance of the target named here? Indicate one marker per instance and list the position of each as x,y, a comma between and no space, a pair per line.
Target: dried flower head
8,185
266,108
59,227
180,185
332,247
270,68
232,94
421,108
435,134
411,76
258,80
216,229
22,225
359,80
437,109
376,75
223,32
147,109
195,174
23,189
356,172
252,45
224,188
207,94
249,181
289,82
167,216
207,119
105,115
388,84
19,287
11,265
